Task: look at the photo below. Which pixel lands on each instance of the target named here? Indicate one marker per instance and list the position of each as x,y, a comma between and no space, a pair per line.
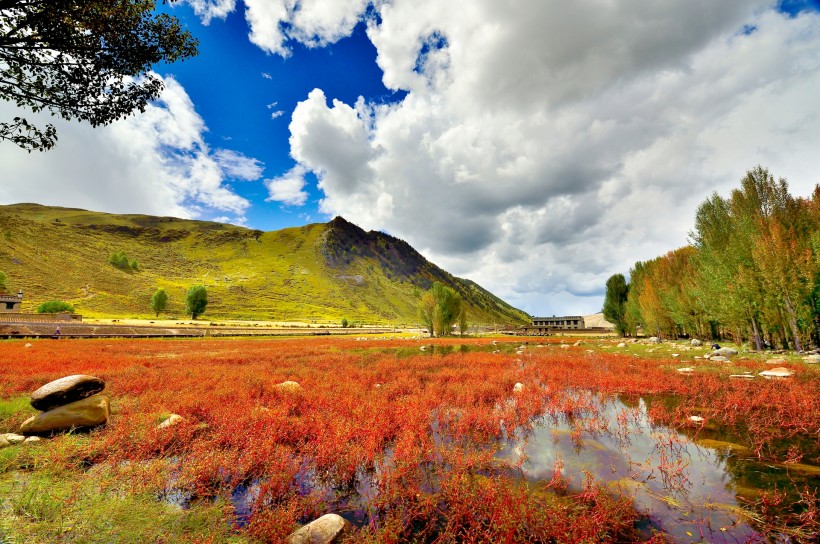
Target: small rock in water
66,390
518,387
327,529
779,372
170,421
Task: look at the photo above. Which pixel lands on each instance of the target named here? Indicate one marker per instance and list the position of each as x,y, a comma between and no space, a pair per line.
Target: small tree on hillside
55,307
159,300
617,292
196,300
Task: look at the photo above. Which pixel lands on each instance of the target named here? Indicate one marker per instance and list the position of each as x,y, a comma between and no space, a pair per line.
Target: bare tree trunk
758,344
793,323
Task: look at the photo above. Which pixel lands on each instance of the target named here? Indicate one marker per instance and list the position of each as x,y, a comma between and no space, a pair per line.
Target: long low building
567,322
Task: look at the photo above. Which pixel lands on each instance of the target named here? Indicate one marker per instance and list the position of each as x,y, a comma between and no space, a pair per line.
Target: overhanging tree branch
82,59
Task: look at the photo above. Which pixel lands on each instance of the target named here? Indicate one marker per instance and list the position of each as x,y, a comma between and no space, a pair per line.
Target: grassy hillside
321,272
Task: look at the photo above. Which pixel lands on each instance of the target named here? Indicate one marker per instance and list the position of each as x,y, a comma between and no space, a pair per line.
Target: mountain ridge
320,271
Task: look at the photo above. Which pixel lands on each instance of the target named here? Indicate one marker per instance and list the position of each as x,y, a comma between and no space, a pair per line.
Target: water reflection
683,489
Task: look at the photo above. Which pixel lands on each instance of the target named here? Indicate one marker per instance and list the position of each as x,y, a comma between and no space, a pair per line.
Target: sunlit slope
316,272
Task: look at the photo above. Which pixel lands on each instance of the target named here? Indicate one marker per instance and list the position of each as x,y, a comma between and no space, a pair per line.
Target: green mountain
318,272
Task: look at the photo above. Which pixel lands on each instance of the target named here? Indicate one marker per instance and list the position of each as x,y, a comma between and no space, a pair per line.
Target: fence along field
412,445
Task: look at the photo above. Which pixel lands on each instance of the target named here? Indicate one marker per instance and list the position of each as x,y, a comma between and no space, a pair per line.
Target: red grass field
404,441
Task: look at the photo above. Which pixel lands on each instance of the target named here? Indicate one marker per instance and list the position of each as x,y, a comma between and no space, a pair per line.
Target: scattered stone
746,376
696,419
423,348
725,352
698,357
289,386
518,387
31,439
578,343
170,421
696,343
621,345
327,529
686,370
721,445
88,412
654,340
776,361
11,438
66,390
676,355
779,372
718,359
812,359
564,346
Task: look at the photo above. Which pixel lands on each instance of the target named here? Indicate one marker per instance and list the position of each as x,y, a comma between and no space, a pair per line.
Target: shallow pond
688,489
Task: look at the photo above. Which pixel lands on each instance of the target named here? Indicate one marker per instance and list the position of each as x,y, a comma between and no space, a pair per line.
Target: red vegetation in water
404,439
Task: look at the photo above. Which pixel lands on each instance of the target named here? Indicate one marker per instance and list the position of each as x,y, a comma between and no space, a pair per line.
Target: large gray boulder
88,412
696,343
66,390
725,352
325,530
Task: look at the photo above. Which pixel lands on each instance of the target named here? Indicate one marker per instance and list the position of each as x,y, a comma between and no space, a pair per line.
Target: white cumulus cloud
543,146
156,163
288,188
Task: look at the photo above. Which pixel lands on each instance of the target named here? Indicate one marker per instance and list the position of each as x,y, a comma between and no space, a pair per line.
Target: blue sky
534,146
236,87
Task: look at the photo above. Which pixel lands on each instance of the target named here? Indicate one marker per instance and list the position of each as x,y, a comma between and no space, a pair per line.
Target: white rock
686,370
746,376
718,359
12,438
621,345
31,439
779,372
696,419
170,421
289,386
327,529
695,342
28,345
518,387
676,355
812,359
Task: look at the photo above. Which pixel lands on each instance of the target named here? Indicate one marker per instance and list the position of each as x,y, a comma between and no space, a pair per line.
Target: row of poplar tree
751,272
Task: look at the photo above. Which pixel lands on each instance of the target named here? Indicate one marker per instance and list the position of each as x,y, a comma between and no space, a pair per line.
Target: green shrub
55,307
